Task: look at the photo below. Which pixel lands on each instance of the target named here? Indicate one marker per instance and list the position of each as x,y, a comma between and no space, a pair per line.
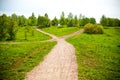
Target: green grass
98,55
59,31
38,36
17,59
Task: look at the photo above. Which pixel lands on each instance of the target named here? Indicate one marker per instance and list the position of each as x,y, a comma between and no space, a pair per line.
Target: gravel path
59,64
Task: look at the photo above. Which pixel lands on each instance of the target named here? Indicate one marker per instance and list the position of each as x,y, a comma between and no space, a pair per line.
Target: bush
93,29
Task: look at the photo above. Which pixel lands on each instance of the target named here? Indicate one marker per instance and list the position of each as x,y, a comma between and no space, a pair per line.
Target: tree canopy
9,25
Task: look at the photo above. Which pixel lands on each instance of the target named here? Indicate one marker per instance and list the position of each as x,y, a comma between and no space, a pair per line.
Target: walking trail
59,64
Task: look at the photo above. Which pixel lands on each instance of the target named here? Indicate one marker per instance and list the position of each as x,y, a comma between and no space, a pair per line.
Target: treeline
105,21
9,24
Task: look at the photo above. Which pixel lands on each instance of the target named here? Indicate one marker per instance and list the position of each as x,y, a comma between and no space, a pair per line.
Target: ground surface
59,64
98,55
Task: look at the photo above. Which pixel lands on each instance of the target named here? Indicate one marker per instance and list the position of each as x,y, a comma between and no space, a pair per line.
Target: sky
88,8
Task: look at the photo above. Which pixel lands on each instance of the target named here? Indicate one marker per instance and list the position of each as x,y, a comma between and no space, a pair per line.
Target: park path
59,64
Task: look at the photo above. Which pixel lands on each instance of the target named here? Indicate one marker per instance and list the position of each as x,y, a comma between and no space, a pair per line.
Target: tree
70,20
22,20
62,19
106,21
92,20
4,23
43,21
109,22
76,21
103,20
13,28
70,16
46,20
116,22
80,16
26,30
84,21
40,20
15,17
46,15
32,21
112,22
55,22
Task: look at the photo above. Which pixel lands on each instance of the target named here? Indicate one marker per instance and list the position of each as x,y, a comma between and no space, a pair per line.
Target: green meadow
98,55
60,31
17,59
20,56
32,35
22,47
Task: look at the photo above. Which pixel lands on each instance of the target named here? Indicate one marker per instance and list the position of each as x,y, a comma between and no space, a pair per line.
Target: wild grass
32,35
98,55
17,59
60,31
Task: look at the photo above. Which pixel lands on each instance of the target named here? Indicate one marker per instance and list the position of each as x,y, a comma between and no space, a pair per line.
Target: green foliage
92,20
109,21
43,21
93,28
17,59
12,29
84,21
113,22
72,21
98,55
70,16
32,21
76,21
4,23
103,21
55,22
62,19
8,27
46,15
22,21
14,17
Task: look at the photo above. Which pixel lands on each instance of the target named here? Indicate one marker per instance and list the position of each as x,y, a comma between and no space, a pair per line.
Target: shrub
93,29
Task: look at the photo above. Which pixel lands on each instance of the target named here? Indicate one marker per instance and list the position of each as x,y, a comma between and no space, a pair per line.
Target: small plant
93,29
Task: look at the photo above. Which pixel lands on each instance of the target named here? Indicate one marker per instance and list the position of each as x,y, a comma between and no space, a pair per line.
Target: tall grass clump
93,29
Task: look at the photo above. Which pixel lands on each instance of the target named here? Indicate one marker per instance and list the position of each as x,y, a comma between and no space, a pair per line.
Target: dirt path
59,64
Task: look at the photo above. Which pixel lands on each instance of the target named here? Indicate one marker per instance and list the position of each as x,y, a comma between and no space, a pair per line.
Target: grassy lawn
98,55
32,35
17,59
58,31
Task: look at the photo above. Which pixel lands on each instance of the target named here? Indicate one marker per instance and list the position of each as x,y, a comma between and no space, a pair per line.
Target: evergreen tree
84,21
92,20
22,20
62,19
70,20
4,23
76,21
103,21
43,21
46,15
13,28
55,22
32,21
